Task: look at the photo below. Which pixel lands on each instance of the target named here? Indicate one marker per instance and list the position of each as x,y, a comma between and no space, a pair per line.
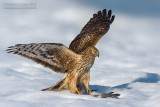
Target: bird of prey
76,60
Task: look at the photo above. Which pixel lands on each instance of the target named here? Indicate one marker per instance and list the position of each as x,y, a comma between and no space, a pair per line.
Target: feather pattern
55,56
92,32
76,60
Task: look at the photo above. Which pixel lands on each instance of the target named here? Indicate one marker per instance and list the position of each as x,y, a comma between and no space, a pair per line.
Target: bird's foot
78,91
90,91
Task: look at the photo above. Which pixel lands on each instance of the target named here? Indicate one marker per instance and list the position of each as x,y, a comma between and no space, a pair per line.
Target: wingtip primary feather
99,13
94,15
104,12
109,13
9,51
10,46
112,19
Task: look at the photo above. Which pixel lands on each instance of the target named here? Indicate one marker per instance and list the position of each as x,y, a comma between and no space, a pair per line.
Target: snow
129,62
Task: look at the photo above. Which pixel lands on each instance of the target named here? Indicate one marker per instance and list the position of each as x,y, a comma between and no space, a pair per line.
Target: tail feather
56,86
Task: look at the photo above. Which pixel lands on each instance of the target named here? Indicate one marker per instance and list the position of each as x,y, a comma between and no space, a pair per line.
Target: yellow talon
90,91
78,91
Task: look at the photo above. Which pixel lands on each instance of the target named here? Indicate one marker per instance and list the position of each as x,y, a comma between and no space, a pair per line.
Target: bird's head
95,51
91,51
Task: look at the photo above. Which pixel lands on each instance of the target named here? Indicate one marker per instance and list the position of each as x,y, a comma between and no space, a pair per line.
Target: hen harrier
76,60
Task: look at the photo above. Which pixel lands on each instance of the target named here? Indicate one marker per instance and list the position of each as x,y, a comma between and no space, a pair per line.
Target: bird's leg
78,91
86,82
87,86
81,86
73,85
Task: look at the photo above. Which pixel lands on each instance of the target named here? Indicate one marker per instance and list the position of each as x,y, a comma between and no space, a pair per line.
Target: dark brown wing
92,31
54,56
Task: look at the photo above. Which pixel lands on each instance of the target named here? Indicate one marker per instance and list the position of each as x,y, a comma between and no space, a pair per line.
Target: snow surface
129,62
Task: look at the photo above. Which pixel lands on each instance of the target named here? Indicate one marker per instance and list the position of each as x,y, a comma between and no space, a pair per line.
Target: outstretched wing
92,31
54,56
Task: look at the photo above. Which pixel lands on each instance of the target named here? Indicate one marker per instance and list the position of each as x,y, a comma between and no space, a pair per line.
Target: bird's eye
93,51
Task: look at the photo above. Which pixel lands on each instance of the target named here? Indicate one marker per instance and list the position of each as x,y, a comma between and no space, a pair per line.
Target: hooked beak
98,54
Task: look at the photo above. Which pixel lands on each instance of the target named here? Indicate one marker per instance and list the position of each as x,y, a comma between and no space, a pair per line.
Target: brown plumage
60,59
76,60
92,32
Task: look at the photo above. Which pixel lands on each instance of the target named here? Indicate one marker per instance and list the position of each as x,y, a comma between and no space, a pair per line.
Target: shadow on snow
150,78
